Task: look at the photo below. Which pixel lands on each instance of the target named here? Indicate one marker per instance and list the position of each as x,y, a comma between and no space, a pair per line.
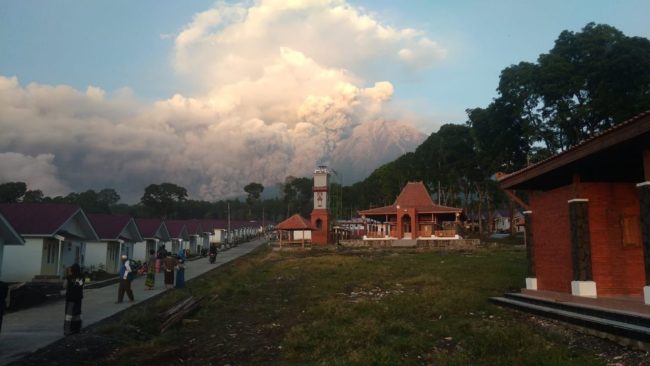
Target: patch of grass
350,309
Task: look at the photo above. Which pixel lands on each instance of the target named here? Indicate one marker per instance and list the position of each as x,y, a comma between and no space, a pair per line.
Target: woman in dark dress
74,292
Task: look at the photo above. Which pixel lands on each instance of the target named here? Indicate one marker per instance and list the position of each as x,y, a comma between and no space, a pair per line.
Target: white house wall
69,254
21,263
140,251
96,253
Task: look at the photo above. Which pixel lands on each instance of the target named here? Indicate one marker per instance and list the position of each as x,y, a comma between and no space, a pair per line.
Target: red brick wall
551,232
617,269
320,237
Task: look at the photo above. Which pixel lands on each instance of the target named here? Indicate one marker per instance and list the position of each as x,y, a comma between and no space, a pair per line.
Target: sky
213,95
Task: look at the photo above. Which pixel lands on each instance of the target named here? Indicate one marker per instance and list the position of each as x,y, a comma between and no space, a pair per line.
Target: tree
254,190
33,196
162,199
108,197
12,191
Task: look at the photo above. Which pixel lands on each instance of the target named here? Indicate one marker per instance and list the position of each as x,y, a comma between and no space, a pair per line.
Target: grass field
357,308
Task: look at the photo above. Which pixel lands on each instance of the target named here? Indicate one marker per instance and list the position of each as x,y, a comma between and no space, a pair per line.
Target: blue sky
215,95
114,44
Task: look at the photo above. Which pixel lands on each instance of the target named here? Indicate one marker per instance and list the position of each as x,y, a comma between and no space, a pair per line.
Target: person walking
74,292
126,276
151,270
180,274
169,263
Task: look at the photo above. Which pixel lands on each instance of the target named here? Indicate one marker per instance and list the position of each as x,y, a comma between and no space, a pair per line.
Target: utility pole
229,233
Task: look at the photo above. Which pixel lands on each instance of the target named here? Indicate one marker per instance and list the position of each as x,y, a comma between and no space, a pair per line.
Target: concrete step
611,314
599,321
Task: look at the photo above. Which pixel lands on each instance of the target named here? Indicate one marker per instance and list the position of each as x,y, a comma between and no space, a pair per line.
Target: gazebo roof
295,222
413,195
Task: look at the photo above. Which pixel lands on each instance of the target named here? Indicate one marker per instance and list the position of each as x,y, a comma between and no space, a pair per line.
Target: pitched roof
207,225
148,227
193,227
295,222
413,195
176,228
600,154
8,233
38,218
109,226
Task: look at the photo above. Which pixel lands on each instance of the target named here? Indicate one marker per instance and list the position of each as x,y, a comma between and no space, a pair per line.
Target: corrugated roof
148,227
295,222
38,218
176,227
109,226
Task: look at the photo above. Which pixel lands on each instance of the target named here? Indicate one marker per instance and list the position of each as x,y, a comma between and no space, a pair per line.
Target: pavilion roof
295,222
413,195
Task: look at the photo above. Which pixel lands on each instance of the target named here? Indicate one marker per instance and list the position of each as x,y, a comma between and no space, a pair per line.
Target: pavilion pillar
644,202
583,283
531,279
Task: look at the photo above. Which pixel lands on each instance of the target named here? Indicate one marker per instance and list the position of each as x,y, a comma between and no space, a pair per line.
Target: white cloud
231,42
39,172
280,88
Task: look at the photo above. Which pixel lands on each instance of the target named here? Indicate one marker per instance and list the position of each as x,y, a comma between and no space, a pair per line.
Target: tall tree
162,199
254,190
12,191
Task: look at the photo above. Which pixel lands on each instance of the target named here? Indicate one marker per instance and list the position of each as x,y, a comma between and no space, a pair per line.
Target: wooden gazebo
298,231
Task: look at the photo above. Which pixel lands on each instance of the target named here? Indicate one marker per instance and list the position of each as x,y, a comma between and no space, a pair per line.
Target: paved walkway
27,330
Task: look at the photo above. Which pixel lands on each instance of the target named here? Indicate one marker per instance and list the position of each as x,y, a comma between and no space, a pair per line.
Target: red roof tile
38,218
413,195
295,222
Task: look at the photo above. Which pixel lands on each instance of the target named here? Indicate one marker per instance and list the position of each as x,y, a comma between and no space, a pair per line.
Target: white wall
298,235
69,254
96,254
21,263
140,251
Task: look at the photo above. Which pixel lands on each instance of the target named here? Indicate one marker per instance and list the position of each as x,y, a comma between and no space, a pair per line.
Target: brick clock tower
320,217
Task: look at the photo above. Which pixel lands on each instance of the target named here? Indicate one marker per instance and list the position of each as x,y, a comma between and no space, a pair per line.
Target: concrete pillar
644,201
583,283
531,279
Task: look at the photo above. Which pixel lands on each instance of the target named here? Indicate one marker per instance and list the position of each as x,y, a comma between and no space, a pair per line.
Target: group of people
74,283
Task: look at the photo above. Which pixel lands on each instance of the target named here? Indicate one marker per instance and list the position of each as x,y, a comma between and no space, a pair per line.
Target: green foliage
12,191
162,199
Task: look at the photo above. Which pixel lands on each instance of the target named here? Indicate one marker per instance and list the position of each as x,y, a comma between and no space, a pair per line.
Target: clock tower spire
320,216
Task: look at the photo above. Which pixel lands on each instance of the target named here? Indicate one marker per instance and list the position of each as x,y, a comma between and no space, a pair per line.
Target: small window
319,224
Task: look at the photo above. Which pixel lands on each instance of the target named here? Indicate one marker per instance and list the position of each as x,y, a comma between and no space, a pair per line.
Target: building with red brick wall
588,223
412,216
320,217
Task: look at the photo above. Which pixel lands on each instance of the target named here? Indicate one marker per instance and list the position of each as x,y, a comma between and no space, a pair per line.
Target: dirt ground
249,344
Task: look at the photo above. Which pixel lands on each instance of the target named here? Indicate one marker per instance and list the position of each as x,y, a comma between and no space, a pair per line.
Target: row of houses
38,241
